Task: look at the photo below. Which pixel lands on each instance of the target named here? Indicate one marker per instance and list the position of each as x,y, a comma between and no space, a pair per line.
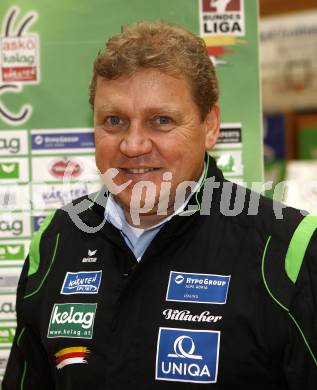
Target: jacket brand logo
81,282
72,320
90,258
197,288
187,355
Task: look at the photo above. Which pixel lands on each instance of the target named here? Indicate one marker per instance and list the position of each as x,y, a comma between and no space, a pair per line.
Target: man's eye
163,120
114,120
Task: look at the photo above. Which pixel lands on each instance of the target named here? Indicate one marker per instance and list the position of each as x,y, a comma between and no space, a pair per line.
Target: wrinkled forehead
145,90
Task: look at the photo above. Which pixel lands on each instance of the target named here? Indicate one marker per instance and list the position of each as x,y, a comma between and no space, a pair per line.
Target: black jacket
225,302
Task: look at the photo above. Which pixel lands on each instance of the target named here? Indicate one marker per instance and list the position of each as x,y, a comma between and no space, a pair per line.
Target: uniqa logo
186,355
180,351
184,348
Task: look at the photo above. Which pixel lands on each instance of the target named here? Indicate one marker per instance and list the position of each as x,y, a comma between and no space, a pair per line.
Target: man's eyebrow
106,107
162,109
149,110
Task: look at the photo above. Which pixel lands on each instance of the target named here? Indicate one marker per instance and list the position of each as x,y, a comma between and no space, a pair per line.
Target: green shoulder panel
34,253
298,245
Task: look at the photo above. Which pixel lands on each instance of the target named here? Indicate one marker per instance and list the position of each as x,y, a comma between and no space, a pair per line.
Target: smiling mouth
139,170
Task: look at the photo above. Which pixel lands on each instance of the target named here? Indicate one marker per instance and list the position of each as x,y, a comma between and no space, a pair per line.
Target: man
156,286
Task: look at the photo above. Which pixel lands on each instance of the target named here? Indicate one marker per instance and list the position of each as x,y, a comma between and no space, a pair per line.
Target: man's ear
212,123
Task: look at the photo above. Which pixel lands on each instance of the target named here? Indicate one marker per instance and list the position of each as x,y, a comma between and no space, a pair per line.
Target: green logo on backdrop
9,170
7,334
72,320
12,252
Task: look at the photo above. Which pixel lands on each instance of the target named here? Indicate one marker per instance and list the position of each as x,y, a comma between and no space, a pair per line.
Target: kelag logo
72,320
187,355
9,145
199,288
14,227
81,283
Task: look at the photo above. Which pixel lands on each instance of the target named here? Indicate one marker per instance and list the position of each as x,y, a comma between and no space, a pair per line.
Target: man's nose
136,141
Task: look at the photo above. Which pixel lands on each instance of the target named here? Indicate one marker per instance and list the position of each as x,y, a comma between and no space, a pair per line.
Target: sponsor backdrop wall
46,55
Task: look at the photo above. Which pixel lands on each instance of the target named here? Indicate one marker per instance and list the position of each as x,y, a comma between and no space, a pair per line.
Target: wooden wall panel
272,7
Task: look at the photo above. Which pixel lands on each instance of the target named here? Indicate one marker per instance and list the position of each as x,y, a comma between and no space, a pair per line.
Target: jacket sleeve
28,366
300,363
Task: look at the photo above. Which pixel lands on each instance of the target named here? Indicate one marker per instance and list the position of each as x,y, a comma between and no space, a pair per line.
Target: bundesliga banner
46,56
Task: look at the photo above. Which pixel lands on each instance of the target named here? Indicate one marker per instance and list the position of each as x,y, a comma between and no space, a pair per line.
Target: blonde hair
163,46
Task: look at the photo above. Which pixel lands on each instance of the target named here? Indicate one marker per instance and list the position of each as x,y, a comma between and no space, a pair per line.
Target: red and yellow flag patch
71,355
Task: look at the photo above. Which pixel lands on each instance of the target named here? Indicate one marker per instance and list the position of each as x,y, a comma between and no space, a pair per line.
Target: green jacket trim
282,306
34,253
298,245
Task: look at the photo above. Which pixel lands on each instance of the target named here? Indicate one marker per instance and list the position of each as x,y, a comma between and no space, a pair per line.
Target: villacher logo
187,355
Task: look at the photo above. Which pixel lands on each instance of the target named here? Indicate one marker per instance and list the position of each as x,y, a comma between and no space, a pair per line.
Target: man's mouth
139,170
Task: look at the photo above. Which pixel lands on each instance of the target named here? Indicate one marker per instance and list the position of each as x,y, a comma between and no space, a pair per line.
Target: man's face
148,124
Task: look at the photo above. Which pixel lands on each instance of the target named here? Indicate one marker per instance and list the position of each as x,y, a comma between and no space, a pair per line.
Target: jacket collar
96,212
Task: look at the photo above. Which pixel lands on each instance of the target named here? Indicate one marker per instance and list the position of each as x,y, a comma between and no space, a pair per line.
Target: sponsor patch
198,288
72,320
81,282
187,355
71,355
186,315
